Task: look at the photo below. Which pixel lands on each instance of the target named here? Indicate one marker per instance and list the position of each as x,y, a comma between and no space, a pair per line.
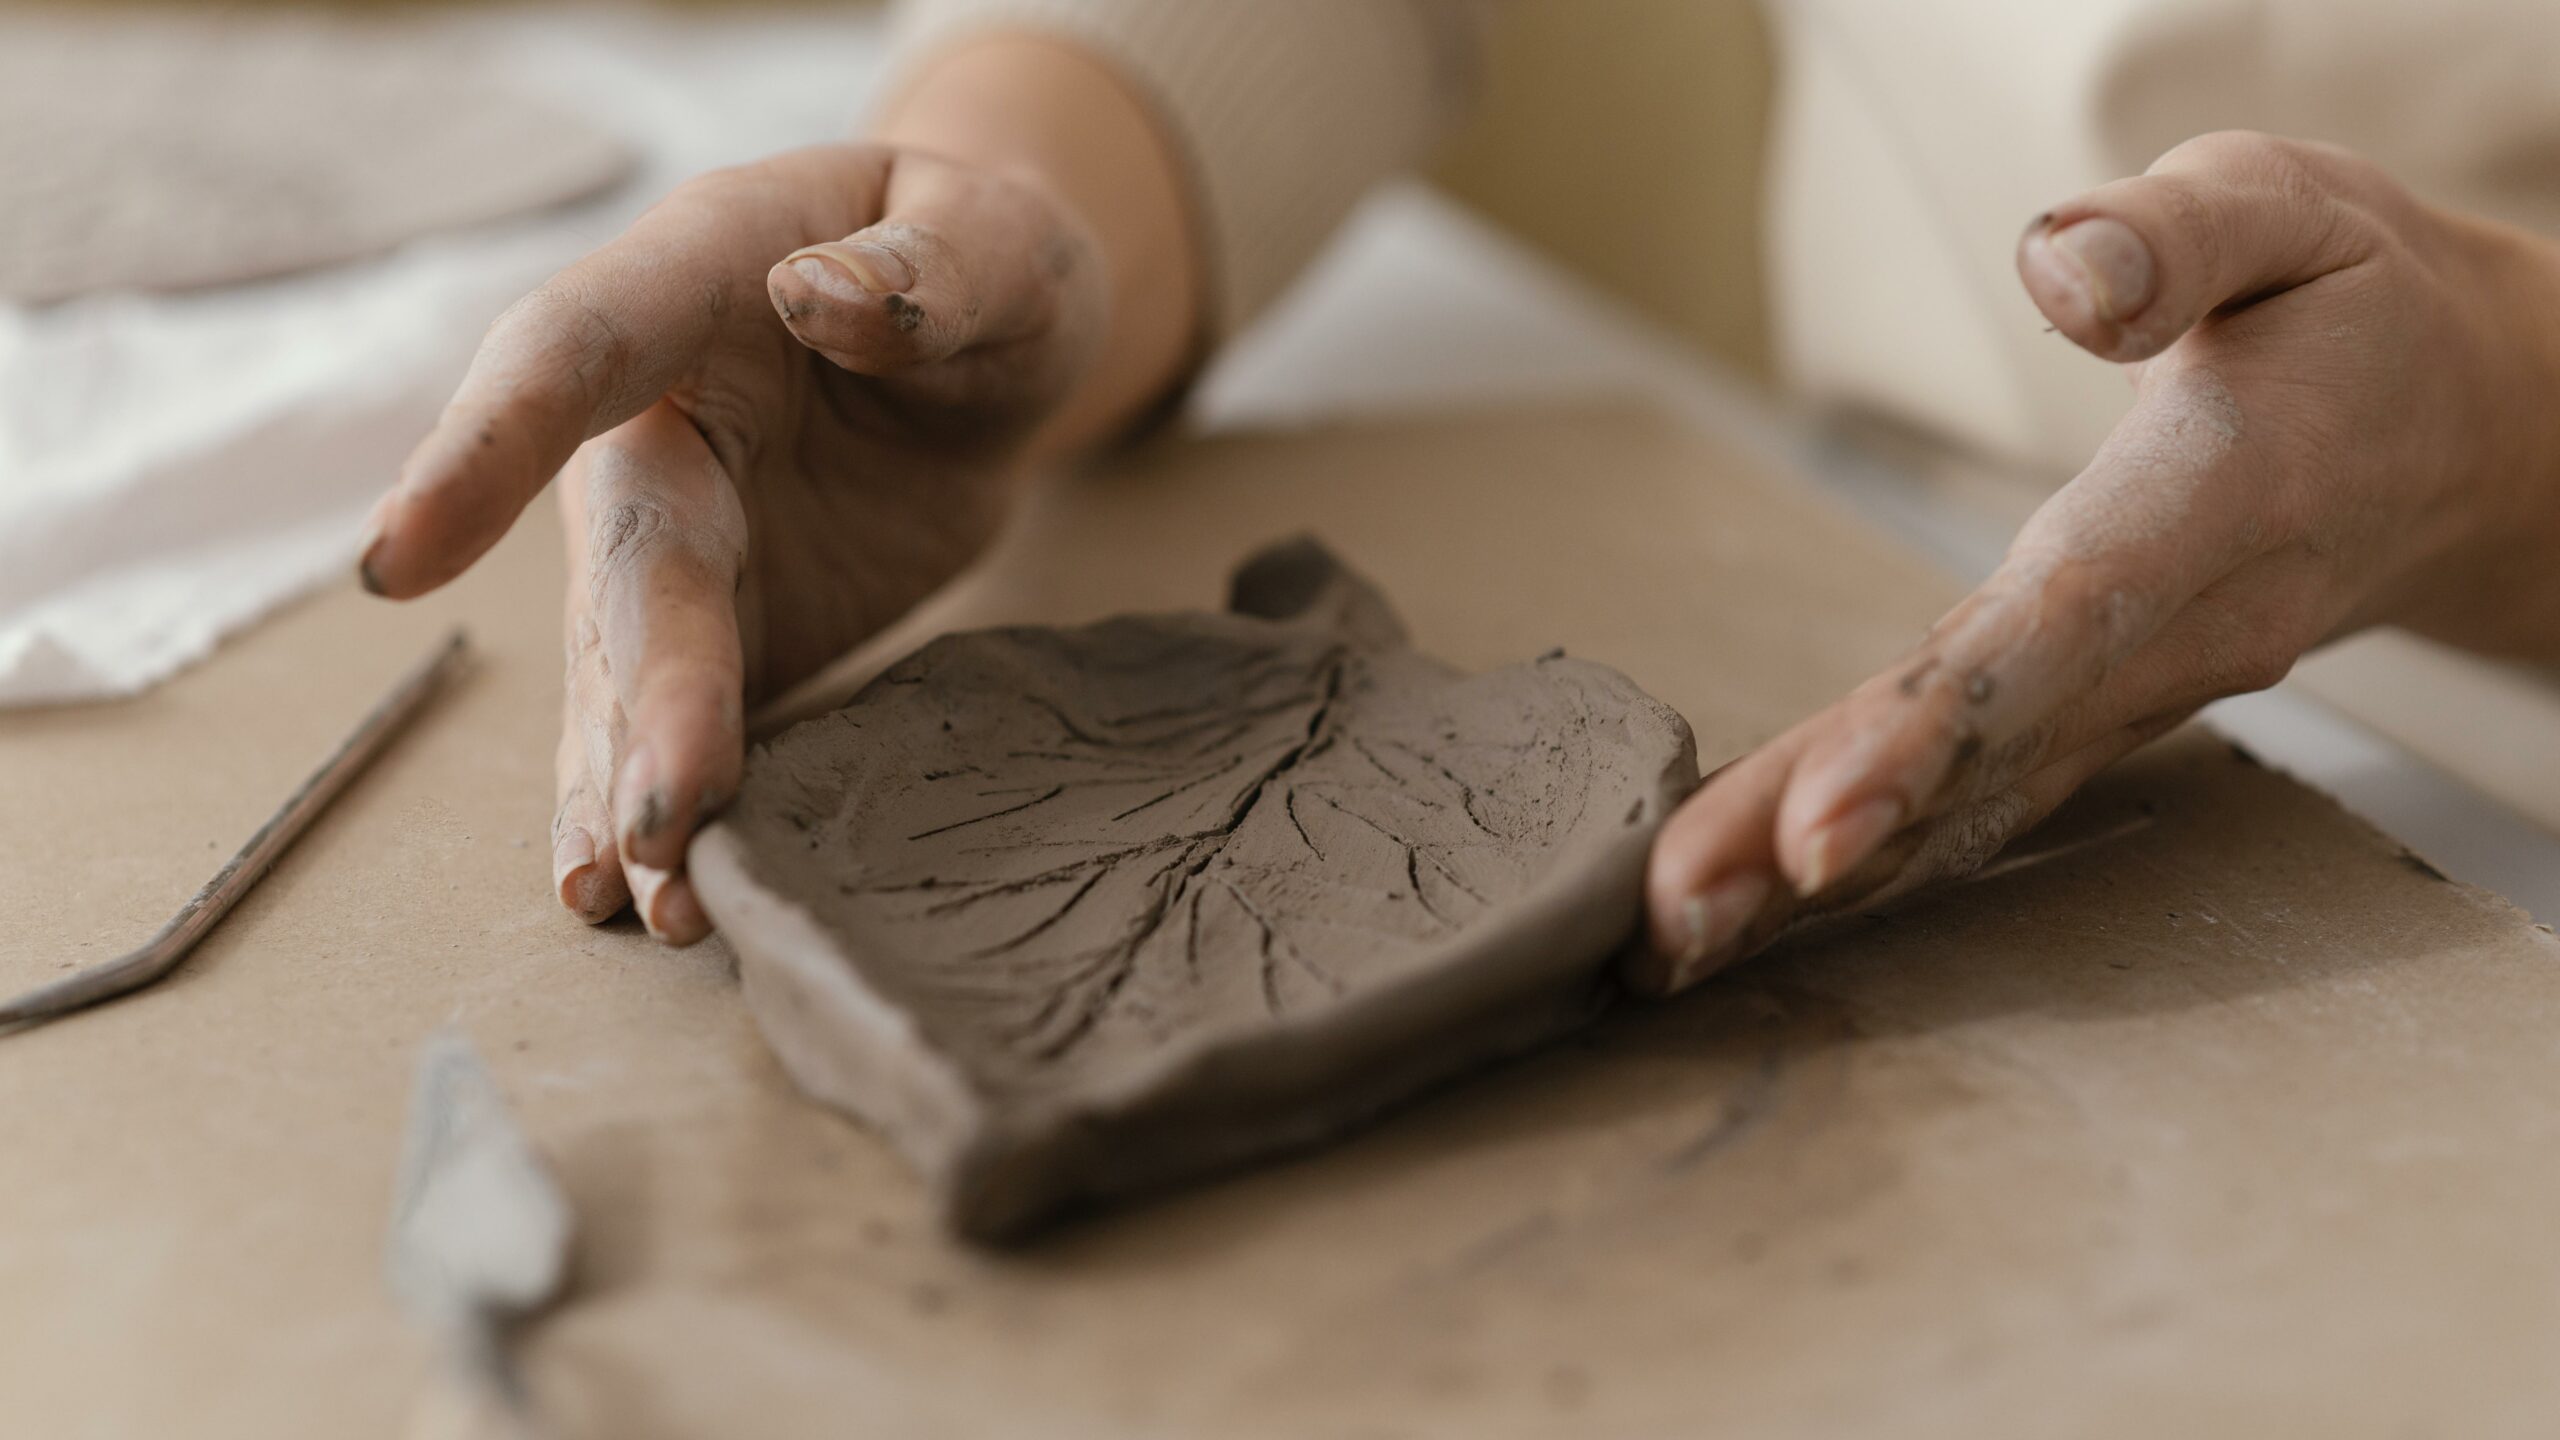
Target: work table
2211,1106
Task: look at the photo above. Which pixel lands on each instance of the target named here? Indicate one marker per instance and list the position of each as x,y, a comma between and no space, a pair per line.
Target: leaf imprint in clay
1069,913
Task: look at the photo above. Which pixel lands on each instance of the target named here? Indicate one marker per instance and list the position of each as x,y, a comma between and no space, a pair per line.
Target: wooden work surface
2214,1112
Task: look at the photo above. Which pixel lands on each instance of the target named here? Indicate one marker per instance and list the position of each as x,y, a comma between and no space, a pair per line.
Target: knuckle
563,342
721,182
2263,666
2228,152
2011,758
622,533
2102,599
2192,216
729,188
2246,666
2238,657
583,641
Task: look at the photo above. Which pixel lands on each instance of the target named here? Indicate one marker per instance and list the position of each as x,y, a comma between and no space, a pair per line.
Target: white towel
172,468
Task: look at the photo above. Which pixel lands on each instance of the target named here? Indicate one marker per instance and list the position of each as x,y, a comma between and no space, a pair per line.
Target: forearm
1053,115
1213,145
2497,590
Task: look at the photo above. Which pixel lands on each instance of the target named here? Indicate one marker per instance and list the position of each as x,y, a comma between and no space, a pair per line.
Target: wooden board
2223,1114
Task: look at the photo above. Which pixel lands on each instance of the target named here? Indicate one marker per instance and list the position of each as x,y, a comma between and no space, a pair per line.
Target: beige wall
1625,138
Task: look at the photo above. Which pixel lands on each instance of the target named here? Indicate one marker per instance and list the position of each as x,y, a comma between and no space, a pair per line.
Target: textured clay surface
1069,912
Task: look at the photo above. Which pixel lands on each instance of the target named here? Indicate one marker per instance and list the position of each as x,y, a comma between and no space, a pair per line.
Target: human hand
791,401
2344,417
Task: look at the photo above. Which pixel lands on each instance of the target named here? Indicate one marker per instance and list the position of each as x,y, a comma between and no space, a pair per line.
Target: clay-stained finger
2127,268
2238,635
1932,852
2174,502
1962,841
1711,881
586,868
963,290
597,344
666,537
667,905
586,864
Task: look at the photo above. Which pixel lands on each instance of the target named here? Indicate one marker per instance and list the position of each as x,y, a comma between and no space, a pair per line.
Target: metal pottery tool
136,969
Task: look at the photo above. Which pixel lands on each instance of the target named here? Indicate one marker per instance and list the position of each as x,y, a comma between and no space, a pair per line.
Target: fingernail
1717,918
374,525
647,884
877,269
638,804
1837,847
2099,262
572,856
881,270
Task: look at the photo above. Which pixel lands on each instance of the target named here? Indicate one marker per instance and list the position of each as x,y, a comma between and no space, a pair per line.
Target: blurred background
1588,104
251,244
1782,206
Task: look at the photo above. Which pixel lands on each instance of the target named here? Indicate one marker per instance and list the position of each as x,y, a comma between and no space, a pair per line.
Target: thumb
2221,220
960,261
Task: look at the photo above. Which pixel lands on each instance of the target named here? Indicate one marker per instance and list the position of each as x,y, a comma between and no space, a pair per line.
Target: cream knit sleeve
1285,110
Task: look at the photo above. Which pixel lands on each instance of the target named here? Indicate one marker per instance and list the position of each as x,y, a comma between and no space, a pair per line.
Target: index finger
593,347
2162,512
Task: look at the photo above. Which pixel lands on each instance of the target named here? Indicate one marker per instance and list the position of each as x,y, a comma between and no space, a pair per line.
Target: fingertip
1672,947
852,302
1845,773
658,808
381,564
1673,873
852,268
2096,280
1817,856
376,521
1708,883
447,508
588,878
647,826
667,906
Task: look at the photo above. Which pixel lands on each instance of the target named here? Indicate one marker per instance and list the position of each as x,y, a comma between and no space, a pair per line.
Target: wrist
1056,118
2520,302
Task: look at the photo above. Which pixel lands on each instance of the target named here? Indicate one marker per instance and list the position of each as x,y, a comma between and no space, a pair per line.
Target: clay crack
1194,783
1043,798
1289,802
1410,848
1114,962
1273,944
1052,918
1466,792
1117,960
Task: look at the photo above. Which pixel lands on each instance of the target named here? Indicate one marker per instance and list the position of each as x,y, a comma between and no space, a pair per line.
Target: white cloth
171,468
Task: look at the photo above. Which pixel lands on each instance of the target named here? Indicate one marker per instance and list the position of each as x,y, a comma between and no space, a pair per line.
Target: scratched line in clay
1068,913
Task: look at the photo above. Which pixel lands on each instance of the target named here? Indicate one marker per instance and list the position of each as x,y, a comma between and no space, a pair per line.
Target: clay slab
1069,913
